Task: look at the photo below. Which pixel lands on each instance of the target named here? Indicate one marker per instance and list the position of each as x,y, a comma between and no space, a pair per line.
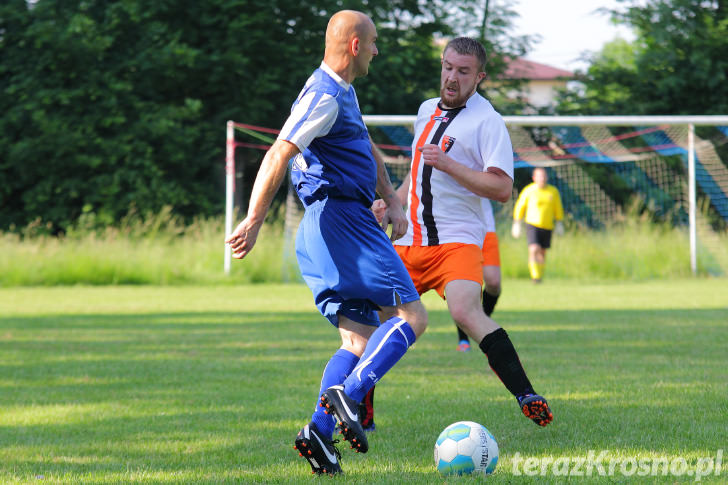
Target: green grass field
210,384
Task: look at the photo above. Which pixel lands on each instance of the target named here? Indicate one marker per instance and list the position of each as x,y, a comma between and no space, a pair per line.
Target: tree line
108,107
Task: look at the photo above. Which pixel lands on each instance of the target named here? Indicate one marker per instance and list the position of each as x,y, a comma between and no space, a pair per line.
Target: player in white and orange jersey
462,153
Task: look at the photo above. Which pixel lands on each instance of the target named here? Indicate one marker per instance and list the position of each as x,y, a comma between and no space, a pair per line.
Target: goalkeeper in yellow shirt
540,204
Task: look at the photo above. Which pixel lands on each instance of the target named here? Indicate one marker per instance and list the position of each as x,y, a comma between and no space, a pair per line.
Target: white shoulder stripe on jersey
312,117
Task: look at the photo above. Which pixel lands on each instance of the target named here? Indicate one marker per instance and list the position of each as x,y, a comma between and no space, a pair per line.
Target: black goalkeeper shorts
539,236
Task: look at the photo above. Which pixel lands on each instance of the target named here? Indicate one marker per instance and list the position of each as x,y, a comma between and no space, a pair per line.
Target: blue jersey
336,155
345,257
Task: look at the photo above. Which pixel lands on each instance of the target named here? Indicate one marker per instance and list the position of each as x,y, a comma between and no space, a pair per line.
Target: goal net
670,169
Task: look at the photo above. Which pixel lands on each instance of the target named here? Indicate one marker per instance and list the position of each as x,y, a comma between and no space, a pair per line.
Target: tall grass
632,249
160,250
156,249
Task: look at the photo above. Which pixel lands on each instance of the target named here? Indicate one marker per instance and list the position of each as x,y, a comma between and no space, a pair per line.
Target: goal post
229,188
259,133
660,158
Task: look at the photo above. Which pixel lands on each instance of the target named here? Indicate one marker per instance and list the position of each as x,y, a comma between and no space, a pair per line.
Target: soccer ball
466,447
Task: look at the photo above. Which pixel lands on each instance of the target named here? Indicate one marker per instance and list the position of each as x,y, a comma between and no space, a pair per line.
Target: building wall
539,93
543,93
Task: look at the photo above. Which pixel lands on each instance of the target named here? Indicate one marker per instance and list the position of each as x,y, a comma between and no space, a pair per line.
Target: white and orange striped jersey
488,214
439,209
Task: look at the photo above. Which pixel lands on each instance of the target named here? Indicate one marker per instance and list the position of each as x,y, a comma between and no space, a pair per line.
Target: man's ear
354,46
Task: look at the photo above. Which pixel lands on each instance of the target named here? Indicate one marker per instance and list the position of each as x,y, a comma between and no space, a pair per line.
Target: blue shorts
349,262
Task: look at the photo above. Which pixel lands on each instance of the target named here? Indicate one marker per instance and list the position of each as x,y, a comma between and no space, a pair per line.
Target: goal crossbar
697,120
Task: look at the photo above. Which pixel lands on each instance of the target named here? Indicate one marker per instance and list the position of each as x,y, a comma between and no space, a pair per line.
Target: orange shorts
433,267
491,255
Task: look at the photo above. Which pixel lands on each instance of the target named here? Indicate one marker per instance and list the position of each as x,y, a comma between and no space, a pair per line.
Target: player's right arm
312,115
272,171
494,184
519,212
403,189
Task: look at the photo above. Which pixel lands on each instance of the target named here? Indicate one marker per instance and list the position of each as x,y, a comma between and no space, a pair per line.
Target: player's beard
459,99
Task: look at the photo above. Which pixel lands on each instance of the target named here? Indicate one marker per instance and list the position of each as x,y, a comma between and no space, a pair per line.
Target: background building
539,82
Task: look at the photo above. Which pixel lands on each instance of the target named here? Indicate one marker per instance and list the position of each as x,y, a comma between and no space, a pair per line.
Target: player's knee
492,285
419,325
357,350
493,289
354,343
354,335
416,315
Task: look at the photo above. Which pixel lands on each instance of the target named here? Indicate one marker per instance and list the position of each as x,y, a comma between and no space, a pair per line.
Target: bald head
345,24
350,38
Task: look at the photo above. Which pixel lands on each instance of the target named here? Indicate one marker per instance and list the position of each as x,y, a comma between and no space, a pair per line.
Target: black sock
462,335
489,302
504,361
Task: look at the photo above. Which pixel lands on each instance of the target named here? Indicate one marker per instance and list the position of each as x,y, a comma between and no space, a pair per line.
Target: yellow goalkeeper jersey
541,207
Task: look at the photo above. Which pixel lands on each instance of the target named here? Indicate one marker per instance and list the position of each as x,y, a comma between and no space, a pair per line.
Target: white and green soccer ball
466,447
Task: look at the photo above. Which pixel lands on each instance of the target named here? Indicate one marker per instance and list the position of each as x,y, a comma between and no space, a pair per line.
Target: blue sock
336,370
385,347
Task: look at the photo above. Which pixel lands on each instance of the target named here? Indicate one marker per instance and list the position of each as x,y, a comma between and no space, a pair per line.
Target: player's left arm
494,184
379,208
558,207
395,213
558,213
